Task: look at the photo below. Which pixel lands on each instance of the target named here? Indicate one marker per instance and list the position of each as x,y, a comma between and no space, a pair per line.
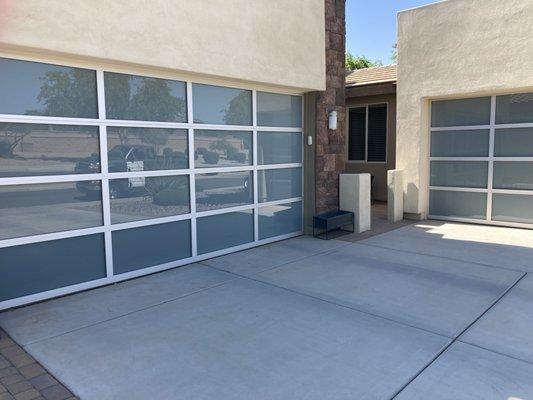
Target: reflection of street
38,209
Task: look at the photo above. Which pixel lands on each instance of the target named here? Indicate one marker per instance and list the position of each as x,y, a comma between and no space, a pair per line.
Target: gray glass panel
280,219
222,231
472,174
278,184
30,88
27,210
470,143
279,110
149,246
42,149
221,105
138,198
140,98
222,148
225,189
516,175
37,267
458,204
146,149
514,108
514,142
461,112
512,208
279,147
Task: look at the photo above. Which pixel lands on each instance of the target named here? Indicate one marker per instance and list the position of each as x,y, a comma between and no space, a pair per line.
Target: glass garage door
481,160
105,176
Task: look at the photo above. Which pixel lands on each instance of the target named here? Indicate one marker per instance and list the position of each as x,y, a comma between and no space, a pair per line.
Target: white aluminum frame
366,106
104,176
490,159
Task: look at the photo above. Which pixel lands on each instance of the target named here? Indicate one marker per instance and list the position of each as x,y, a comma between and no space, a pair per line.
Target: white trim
366,107
19,301
492,127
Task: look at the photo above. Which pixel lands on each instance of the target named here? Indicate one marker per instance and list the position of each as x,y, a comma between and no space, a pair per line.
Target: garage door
106,175
481,160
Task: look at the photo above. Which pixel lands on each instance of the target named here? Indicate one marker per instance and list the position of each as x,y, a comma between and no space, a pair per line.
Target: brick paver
23,378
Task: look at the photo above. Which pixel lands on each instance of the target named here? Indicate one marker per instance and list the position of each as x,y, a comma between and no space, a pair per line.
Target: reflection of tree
14,134
239,111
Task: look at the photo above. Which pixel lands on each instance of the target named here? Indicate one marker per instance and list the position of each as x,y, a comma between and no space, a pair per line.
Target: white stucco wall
272,42
456,48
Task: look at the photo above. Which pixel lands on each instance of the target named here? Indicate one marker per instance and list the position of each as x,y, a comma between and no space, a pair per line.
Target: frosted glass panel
512,208
516,175
280,219
279,147
458,204
461,112
514,142
514,108
222,231
214,148
37,267
279,110
459,173
225,189
151,245
278,184
469,143
221,105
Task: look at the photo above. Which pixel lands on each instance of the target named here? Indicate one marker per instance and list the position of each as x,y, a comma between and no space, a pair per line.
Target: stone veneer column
330,144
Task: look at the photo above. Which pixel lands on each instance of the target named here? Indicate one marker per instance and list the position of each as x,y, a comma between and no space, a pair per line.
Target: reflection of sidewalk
34,220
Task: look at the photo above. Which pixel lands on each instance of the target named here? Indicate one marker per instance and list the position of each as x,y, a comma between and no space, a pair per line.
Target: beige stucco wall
456,48
272,42
377,170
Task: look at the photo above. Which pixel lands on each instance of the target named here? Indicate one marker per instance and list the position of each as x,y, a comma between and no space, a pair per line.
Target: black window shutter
377,133
357,134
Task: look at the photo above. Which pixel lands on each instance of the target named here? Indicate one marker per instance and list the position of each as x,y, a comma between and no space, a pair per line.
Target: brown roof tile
368,76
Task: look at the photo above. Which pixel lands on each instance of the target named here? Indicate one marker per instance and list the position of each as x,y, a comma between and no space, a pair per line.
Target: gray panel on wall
462,112
222,231
469,143
37,267
512,208
280,219
458,204
147,246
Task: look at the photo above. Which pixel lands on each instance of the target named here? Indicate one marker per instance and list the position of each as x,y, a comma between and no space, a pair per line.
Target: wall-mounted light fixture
332,120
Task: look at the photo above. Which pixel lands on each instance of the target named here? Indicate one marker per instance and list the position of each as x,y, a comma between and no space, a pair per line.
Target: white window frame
104,176
366,106
491,127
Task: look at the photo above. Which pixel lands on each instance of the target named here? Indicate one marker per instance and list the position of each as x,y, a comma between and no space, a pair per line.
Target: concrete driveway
428,311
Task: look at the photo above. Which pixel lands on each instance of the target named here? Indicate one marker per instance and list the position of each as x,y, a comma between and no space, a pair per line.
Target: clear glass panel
279,110
280,219
138,198
472,174
146,149
37,267
279,147
517,175
357,134
30,88
131,97
461,112
225,189
512,208
514,142
458,204
35,149
514,108
278,184
469,143
27,210
222,231
222,148
377,133
152,245
221,105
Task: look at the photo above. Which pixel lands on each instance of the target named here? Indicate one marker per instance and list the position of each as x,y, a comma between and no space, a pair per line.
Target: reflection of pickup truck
126,158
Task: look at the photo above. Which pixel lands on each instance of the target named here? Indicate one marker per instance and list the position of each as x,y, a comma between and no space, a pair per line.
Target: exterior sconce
332,120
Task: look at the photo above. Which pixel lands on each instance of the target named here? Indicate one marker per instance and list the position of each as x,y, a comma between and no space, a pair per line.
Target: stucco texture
272,42
456,48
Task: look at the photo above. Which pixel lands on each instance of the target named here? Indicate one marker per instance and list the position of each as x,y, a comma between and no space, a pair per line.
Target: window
367,133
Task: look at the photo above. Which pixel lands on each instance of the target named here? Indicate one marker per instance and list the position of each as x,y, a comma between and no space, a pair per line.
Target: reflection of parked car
128,158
